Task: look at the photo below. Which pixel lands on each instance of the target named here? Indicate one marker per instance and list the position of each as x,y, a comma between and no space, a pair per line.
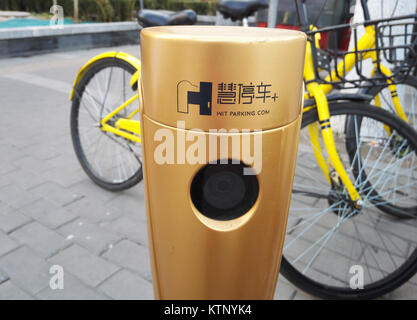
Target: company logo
190,94
255,94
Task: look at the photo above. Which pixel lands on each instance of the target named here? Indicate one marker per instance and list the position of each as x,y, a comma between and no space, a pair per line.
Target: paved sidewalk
51,213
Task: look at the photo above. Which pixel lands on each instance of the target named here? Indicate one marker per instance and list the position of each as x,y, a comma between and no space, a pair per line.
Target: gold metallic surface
222,55
192,256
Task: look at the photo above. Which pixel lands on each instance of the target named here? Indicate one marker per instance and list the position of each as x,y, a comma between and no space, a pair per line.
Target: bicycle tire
79,90
312,284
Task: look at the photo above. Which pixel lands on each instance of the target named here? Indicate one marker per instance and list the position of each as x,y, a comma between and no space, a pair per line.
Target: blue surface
28,22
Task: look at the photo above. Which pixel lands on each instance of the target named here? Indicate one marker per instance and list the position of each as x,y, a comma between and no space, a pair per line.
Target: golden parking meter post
220,116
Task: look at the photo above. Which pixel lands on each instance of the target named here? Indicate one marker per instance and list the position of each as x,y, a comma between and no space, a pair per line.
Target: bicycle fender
134,80
341,97
113,54
369,86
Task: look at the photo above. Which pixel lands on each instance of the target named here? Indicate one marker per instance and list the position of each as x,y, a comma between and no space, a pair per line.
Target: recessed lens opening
223,192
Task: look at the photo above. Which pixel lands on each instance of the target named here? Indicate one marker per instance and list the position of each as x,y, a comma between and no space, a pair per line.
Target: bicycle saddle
237,10
153,18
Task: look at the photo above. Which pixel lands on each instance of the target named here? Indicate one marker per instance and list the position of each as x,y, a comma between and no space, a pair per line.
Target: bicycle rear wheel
112,162
327,235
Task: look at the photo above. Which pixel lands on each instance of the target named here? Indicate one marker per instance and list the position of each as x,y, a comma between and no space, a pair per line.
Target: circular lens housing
223,192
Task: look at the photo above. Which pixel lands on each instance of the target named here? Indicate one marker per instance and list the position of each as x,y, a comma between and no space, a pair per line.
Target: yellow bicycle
104,130
356,173
356,162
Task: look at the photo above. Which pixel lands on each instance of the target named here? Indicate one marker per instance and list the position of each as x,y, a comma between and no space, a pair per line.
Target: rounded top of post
222,77
223,33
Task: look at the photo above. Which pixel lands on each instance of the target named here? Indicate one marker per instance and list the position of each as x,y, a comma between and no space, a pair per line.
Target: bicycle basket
394,47
398,42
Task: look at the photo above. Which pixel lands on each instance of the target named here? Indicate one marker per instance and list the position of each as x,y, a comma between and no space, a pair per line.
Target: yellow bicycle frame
319,91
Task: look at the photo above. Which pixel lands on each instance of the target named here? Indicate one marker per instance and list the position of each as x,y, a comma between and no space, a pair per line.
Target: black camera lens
223,192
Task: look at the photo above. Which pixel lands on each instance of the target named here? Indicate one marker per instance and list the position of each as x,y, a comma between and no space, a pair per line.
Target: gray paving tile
17,197
405,292
31,163
94,210
48,213
3,277
25,179
65,161
304,296
74,289
131,256
89,235
6,168
63,145
84,265
284,289
11,218
128,286
131,202
9,291
91,190
9,153
130,227
26,269
5,180
42,240
55,193
65,177
6,243
41,151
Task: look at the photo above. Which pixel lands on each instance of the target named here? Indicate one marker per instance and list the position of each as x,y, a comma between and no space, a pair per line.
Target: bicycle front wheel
406,91
111,161
333,249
